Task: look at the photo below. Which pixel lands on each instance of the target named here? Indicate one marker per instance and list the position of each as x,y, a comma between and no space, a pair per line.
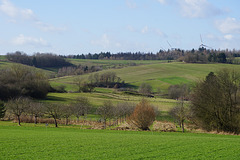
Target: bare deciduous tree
17,107
67,111
123,110
180,113
36,109
81,107
145,89
106,111
55,111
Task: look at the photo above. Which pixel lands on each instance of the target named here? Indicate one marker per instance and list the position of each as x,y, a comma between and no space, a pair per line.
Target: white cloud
198,8
12,11
24,40
228,37
15,14
104,41
228,25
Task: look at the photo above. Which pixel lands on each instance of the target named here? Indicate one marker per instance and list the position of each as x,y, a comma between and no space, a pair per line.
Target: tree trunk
19,121
55,121
105,123
35,119
66,120
182,126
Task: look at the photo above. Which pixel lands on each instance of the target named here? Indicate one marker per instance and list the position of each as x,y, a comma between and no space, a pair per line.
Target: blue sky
83,26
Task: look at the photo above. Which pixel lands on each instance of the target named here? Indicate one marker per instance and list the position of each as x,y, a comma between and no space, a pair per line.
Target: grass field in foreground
71,143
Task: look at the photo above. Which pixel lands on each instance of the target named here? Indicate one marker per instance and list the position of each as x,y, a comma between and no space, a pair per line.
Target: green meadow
41,142
159,75
32,141
97,98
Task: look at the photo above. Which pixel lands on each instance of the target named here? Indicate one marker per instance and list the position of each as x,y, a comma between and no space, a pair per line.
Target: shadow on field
54,98
127,85
164,116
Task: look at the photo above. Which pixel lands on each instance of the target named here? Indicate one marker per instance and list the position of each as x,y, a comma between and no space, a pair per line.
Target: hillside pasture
29,142
110,63
159,75
97,98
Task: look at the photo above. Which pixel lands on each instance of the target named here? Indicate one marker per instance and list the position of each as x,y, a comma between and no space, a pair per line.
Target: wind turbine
171,46
203,46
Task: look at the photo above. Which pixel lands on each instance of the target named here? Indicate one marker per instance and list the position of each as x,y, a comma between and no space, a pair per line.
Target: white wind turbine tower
171,46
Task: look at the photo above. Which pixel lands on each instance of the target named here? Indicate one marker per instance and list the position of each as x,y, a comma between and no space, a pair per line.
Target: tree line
106,80
77,70
202,55
40,60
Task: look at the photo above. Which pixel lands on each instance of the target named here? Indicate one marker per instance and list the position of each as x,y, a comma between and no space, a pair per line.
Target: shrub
143,115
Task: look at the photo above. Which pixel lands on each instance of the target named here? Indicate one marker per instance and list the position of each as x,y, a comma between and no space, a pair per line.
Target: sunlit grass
41,142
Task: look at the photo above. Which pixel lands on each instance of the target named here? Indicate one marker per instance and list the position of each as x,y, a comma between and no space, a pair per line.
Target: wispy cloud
147,30
104,41
131,4
194,8
228,25
48,27
198,8
228,37
25,40
162,1
15,14
9,9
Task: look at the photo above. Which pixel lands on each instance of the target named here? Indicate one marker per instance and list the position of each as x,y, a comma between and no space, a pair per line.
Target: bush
2,109
143,115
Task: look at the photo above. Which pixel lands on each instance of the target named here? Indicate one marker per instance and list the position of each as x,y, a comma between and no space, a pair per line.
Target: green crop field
40,142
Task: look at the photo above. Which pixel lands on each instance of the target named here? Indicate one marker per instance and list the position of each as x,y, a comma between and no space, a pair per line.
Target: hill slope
161,74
